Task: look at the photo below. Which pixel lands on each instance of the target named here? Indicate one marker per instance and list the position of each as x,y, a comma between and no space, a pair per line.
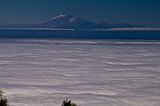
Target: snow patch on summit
73,20
60,16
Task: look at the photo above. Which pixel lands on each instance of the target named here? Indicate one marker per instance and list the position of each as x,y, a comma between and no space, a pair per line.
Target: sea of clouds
89,72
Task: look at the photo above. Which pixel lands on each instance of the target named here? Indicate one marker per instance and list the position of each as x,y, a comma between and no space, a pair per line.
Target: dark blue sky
142,12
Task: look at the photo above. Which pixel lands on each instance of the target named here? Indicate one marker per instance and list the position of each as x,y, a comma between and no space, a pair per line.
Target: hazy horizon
143,12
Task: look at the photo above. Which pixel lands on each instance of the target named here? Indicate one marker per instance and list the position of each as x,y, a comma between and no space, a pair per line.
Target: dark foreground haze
79,34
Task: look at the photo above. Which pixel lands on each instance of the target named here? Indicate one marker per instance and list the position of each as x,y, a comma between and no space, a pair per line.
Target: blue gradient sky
142,12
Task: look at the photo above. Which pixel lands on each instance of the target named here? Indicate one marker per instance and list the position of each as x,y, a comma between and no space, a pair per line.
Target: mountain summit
68,21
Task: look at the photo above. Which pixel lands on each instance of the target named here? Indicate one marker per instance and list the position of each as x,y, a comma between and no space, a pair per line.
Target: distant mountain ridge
66,21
